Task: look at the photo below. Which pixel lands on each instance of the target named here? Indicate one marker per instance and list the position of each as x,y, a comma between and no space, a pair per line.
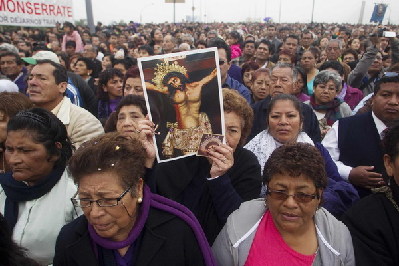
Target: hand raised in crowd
221,158
146,130
364,176
374,39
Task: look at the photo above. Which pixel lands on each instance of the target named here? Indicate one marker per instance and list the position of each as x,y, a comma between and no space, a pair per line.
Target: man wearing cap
354,142
47,85
78,91
13,68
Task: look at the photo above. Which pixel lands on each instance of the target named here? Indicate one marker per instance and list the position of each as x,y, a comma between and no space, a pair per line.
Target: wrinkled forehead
282,72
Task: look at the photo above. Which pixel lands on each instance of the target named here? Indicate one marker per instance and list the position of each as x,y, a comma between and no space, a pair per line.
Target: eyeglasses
298,197
221,62
85,203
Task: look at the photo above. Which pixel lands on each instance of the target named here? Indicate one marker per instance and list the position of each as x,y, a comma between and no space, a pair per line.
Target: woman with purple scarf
325,103
123,222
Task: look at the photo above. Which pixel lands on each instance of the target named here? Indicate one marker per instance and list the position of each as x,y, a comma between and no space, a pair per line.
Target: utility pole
279,13
362,13
89,15
174,11
193,8
311,21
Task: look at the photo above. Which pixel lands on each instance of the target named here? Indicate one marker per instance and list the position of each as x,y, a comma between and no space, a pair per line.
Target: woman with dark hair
300,88
285,56
10,104
123,222
132,82
109,92
72,61
284,122
10,253
247,70
308,62
64,60
214,186
130,110
34,195
288,226
374,220
106,62
86,69
156,38
259,84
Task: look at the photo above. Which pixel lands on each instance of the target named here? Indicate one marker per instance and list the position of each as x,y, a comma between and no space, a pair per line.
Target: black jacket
87,94
166,240
374,226
212,201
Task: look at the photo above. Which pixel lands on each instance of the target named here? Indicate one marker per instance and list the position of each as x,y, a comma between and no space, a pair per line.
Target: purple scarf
332,108
164,204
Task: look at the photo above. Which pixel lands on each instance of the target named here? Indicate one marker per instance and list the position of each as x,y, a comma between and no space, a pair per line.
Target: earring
139,200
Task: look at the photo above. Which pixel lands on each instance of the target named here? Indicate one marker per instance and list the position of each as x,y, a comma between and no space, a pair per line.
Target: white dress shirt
330,142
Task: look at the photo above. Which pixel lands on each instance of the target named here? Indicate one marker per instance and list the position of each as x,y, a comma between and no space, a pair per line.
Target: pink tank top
269,249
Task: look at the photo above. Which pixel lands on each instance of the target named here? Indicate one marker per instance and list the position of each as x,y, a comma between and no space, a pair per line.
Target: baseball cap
41,55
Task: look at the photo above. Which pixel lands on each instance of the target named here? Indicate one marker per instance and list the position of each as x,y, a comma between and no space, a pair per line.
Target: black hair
351,51
249,41
69,24
70,44
306,32
89,65
18,59
148,48
301,72
45,128
172,89
385,79
103,79
391,141
59,72
284,97
10,253
135,100
266,42
221,44
297,159
334,65
201,42
291,36
126,62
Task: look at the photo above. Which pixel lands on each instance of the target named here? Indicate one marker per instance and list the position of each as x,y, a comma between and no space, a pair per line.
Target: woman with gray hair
325,103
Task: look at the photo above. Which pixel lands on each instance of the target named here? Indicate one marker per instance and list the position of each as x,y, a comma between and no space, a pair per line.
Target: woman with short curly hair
289,226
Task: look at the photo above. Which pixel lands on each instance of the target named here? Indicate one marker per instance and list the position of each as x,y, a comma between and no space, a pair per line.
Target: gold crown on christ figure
164,68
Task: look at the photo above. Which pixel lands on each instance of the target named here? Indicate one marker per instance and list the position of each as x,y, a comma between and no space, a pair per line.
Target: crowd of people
308,173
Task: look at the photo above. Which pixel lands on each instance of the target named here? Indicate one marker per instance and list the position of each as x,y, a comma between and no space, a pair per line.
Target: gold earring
139,200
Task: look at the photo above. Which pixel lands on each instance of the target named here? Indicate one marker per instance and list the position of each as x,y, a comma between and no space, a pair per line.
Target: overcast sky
158,11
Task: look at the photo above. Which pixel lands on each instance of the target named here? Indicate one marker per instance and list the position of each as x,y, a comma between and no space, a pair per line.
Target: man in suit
354,142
